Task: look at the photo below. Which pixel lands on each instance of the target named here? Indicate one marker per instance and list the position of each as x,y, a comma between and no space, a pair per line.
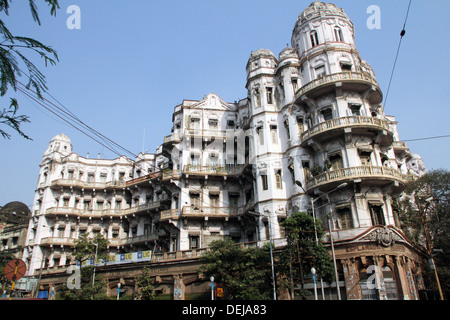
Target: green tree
244,272
87,248
13,59
425,218
87,290
303,252
5,257
146,284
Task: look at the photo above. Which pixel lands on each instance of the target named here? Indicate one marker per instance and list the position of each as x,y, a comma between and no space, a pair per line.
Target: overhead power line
68,117
402,33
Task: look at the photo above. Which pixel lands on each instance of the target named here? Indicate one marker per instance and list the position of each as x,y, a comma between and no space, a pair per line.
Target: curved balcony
87,213
375,175
201,212
76,183
195,170
355,81
334,127
144,179
59,241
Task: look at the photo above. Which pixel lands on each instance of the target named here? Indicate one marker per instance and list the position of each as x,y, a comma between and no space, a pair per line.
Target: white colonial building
311,132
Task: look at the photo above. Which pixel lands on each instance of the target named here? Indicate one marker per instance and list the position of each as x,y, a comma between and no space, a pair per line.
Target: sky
132,62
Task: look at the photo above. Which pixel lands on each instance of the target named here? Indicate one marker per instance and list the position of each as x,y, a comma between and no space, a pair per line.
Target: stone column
351,278
178,287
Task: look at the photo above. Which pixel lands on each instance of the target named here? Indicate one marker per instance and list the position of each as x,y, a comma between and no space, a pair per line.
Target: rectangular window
335,161
314,38
278,180
346,67
70,174
213,124
344,218
339,37
214,200
273,134
376,214
233,200
294,84
355,109
194,242
99,205
286,126
327,114
320,72
265,185
195,199
260,133
365,158
300,125
269,95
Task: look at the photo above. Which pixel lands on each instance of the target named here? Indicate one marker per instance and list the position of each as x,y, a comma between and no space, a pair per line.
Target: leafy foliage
244,272
87,290
425,217
13,59
303,251
146,284
85,247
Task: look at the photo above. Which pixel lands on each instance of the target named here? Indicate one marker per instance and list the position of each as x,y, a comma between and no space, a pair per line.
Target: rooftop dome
62,137
320,9
16,209
261,52
287,52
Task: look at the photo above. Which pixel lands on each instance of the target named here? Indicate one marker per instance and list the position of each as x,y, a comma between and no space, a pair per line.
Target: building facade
311,136
14,217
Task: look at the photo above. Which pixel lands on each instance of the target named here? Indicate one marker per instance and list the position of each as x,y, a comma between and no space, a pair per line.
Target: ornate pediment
384,236
213,101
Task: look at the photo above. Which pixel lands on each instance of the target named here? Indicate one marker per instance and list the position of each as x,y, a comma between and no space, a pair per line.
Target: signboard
120,259
15,269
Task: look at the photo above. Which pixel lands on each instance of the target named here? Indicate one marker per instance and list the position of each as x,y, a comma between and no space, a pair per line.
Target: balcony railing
213,170
88,184
206,133
197,211
336,77
344,122
148,177
148,206
355,172
173,214
174,137
58,241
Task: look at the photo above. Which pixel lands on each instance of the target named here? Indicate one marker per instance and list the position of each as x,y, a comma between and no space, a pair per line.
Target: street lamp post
271,253
342,185
118,290
95,260
313,272
212,287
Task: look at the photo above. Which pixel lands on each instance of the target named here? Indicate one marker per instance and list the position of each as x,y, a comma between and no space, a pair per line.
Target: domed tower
60,145
352,176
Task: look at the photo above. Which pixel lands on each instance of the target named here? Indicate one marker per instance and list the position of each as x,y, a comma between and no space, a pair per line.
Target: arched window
389,283
338,36
367,284
314,38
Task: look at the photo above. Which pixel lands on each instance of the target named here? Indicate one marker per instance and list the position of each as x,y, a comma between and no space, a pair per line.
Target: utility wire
428,138
67,116
402,33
